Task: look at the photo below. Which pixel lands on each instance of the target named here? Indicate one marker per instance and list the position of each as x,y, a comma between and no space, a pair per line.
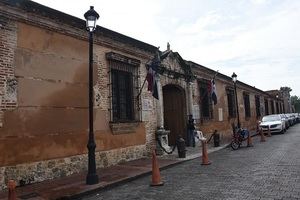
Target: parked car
273,122
296,118
291,118
286,120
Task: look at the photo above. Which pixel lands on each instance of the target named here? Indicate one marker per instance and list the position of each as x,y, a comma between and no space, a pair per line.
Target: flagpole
206,92
157,59
141,88
145,77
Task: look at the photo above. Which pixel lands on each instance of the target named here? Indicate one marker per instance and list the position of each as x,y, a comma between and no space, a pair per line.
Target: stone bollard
216,137
269,132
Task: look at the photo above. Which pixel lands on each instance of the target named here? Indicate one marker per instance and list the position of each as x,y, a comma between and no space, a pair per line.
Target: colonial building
44,96
278,106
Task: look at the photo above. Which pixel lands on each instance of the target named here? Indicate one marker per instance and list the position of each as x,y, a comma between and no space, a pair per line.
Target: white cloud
259,1
200,24
259,39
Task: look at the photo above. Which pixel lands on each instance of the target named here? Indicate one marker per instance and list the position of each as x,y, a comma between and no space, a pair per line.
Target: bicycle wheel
235,145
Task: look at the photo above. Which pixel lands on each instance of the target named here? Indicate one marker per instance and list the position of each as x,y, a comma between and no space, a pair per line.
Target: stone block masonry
56,168
8,82
31,76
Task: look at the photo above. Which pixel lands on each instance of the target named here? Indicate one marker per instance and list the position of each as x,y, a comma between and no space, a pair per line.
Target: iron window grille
272,107
206,104
124,86
247,105
257,106
231,103
266,107
277,108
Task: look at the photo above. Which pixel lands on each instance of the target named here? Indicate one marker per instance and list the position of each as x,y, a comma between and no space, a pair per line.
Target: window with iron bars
247,105
272,107
231,103
266,107
281,108
124,87
206,108
277,108
257,106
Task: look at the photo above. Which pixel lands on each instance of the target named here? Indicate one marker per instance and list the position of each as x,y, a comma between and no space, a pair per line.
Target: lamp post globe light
234,79
91,17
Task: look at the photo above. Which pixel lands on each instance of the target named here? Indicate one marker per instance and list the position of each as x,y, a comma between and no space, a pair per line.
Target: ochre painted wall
51,120
223,124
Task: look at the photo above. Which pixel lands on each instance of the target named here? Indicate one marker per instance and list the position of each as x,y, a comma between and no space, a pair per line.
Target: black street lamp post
91,17
234,79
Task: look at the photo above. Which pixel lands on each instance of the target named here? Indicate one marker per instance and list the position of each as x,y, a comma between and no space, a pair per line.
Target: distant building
285,93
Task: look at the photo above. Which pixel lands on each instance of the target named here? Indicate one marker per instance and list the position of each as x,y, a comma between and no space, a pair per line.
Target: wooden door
174,112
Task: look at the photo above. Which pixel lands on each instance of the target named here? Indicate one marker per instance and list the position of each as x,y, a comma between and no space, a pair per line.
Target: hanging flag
155,90
213,91
152,85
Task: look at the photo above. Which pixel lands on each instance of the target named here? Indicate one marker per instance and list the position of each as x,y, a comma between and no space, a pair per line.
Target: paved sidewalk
268,171
74,186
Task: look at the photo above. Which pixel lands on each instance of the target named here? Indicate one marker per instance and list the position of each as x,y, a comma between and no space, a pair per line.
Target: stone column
160,105
161,133
190,98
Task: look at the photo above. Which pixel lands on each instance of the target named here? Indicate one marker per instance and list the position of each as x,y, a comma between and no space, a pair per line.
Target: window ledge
118,128
231,117
205,119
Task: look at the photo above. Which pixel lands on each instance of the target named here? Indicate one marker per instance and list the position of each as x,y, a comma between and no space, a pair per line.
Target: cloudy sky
259,40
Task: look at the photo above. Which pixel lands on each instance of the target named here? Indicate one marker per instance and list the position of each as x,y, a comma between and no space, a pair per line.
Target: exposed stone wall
148,111
67,46
50,169
221,120
36,59
102,89
8,82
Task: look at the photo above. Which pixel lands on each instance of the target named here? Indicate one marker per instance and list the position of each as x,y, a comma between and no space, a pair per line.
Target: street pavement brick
269,170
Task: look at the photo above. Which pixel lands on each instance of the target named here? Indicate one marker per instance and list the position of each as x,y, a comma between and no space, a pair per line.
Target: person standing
190,132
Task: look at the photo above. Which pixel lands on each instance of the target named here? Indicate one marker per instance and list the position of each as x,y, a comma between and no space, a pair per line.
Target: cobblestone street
269,170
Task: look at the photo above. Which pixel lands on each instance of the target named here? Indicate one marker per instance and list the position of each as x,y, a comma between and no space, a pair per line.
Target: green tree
295,101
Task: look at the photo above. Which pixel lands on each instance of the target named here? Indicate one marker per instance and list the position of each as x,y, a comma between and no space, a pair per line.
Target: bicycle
238,137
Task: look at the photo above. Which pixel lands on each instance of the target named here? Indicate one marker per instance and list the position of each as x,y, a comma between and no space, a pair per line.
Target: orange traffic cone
262,136
269,132
249,141
11,190
205,160
156,180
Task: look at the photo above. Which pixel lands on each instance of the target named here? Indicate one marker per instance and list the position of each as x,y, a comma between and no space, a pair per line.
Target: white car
273,122
286,120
